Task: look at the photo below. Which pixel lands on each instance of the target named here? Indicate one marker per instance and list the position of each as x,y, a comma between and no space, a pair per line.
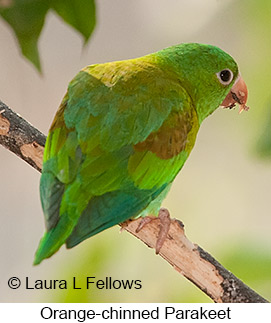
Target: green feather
120,137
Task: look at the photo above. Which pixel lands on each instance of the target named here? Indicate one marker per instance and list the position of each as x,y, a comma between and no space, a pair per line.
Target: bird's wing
120,128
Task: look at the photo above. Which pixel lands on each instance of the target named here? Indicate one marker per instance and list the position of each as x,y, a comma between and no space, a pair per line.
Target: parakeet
123,132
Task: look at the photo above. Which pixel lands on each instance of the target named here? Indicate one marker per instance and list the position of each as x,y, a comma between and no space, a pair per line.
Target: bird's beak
238,94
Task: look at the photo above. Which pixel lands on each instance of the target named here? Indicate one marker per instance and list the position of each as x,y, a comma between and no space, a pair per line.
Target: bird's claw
165,221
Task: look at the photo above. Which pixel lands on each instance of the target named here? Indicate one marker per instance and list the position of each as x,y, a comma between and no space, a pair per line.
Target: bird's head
210,76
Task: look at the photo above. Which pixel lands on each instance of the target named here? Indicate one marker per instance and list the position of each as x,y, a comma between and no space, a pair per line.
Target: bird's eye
225,76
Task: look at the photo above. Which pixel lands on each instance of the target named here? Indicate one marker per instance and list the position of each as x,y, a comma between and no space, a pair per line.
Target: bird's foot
144,221
165,221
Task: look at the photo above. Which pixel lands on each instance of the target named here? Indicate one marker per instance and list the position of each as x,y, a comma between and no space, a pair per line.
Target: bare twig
20,137
190,260
195,264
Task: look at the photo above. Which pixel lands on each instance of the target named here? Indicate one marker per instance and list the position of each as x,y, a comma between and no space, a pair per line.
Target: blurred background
223,192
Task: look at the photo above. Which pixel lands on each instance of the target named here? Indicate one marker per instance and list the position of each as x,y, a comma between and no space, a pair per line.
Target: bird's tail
53,239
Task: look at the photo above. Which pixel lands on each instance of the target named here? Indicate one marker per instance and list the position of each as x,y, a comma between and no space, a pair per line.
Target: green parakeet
121,135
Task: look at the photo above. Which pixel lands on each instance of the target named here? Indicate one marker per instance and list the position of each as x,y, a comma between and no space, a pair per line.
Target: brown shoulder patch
171,138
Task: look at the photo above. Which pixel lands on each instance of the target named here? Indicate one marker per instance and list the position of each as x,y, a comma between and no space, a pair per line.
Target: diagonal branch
20,137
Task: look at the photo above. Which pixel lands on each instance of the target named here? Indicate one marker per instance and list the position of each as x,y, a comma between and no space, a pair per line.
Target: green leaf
26,17
80,14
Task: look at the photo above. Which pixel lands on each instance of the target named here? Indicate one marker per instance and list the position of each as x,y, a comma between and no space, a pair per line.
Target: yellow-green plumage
122,133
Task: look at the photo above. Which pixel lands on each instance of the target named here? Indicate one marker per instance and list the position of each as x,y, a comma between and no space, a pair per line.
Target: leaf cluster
27,17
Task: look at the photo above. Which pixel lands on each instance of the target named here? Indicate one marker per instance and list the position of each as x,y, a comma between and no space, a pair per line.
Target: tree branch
187,258
20,137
